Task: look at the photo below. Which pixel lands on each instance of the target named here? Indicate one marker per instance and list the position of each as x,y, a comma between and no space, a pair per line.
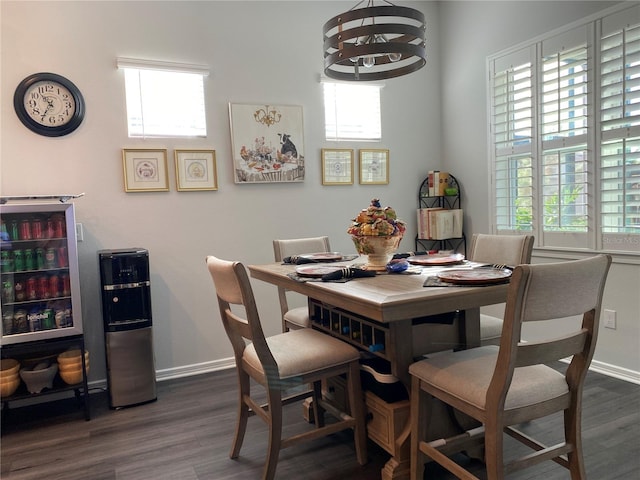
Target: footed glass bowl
379,249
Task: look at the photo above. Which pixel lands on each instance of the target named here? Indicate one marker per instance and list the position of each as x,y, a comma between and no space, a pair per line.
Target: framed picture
196,170
374,167
145,170
337,166
267,143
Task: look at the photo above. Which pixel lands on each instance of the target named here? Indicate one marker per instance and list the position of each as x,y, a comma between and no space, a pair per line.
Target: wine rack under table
350,327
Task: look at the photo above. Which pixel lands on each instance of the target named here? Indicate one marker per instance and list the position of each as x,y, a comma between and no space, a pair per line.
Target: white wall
258,52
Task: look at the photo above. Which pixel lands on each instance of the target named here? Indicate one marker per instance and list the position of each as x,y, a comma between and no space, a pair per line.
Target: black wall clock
49,104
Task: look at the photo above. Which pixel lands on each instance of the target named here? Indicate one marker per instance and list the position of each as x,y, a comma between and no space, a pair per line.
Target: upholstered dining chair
297,317
508,385
509,250
278,364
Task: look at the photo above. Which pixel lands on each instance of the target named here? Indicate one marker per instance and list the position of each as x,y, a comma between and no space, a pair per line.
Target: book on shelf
443,225
426,222
439,223
441,183
431,179
457,223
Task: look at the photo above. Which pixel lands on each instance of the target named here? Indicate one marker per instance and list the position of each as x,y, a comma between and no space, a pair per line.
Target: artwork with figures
267,142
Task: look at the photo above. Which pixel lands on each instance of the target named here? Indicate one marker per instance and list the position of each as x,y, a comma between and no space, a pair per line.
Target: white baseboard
196,369
225,363
616,372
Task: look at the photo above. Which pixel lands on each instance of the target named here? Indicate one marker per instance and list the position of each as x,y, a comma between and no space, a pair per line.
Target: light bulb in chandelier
369,61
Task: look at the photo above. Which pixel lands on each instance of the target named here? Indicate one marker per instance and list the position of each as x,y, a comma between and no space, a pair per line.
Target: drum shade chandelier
374,42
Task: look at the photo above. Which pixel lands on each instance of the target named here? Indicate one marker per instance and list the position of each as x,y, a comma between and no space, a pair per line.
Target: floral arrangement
377,221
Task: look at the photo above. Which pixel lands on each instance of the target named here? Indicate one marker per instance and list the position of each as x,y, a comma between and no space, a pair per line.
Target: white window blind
352,111
512,124
620,124
565,130
164,99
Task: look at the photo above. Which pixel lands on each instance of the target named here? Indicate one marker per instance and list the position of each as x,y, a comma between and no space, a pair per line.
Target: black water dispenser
126,312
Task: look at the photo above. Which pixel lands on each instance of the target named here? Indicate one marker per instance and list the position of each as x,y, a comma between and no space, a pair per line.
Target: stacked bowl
70,365
9,376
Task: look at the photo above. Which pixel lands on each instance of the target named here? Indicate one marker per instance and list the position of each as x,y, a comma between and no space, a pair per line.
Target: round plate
437,259
315,270
322,256
480,276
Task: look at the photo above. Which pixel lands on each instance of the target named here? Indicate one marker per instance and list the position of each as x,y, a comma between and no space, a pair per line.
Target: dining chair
297,317
503,386
278,364
508,250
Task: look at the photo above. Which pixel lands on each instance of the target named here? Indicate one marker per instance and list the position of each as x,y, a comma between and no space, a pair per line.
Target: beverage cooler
126,311
40,281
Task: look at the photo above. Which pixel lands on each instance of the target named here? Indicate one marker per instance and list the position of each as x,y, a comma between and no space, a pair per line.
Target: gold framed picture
374,166
196,170
145,170
337,166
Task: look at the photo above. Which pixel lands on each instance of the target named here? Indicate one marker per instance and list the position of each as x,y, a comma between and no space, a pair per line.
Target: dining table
394,316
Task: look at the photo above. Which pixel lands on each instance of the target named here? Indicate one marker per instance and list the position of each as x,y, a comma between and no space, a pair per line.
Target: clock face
49,104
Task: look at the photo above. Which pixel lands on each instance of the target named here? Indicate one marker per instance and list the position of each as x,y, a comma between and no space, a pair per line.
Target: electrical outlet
610,319
79,232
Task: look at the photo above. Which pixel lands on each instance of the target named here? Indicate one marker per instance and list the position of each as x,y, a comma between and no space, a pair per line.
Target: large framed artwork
145,170
267,142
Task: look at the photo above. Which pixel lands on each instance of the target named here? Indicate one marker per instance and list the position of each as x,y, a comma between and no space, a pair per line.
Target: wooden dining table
395,315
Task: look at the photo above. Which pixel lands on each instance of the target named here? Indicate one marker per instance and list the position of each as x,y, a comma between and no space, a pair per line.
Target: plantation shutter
620,130
512,111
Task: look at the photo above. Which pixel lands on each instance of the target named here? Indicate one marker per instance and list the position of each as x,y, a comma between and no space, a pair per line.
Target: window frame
360,128
173,130
591,237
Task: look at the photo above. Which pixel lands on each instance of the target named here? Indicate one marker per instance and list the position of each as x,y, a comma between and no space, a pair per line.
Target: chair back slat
544,352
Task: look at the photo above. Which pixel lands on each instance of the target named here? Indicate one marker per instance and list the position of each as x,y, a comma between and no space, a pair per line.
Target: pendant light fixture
374,42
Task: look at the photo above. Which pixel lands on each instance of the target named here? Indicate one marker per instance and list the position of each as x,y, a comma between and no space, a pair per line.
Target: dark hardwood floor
186,435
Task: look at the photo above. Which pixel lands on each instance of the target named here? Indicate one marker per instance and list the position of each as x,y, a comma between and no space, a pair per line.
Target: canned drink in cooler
19,291
43,287
7,323
60,318
8,294
50,258
20,324
18,260
40,260
7,261
24,232
37,231
58,225
14,230
54,286
34,319
32,288
47,320
66,284
29,259
62,257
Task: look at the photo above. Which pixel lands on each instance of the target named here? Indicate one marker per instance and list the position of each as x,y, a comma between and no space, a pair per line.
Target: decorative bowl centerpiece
376,232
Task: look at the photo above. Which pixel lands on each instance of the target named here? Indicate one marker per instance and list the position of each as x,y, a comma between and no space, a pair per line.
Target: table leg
398,466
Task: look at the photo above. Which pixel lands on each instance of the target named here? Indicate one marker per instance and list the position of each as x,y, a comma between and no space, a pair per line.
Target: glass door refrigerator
40,305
